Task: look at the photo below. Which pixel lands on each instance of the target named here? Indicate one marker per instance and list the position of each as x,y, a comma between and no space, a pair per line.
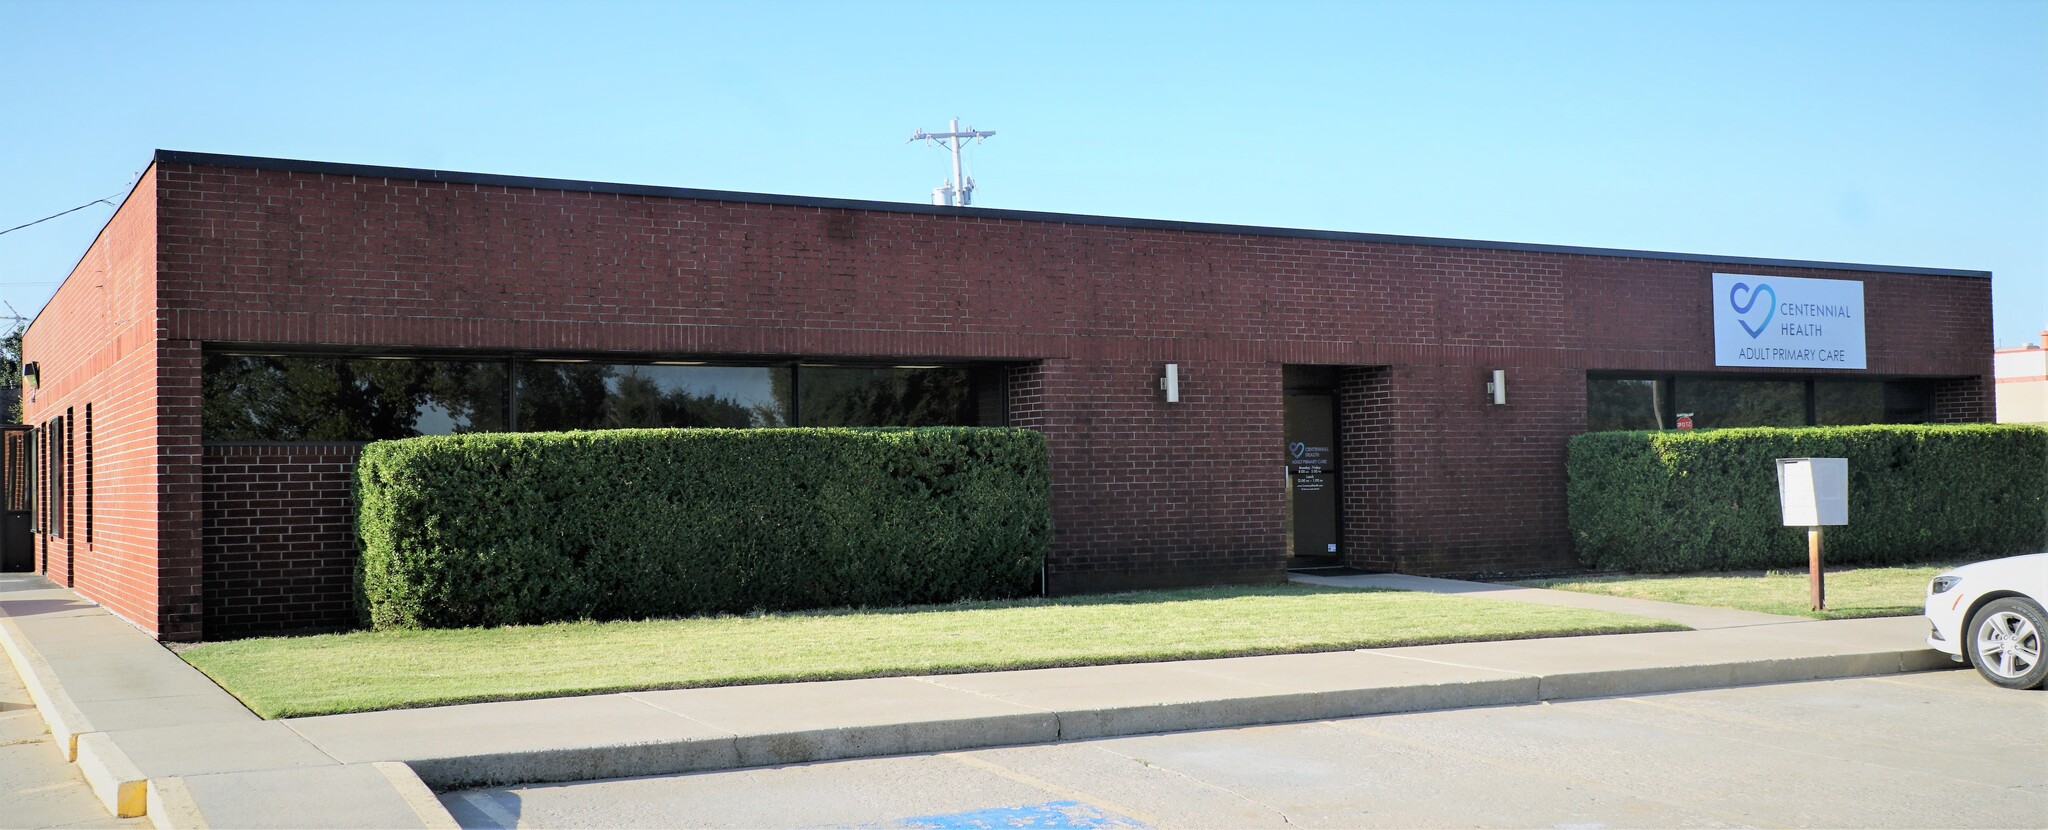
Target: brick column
180,562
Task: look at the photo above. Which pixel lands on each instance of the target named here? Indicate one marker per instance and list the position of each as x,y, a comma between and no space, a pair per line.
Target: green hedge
479,530
1689,501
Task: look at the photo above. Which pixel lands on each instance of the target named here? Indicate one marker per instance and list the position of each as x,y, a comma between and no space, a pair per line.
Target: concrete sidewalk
150,724
39,787
153,735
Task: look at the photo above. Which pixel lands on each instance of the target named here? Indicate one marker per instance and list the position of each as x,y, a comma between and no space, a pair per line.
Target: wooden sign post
1816,579
1813,492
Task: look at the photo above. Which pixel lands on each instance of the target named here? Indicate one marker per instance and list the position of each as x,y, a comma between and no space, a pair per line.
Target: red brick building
206,375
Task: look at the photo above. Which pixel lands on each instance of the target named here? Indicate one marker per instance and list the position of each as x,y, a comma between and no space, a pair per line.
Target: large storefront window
279,398
319,398
1628,403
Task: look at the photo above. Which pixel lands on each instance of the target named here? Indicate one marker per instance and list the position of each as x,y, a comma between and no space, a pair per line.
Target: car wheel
2005,643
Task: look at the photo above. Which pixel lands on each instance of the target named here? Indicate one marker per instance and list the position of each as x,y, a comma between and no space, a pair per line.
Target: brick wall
1145,492
1373,449
1964,401
95,342
279,538
1150,494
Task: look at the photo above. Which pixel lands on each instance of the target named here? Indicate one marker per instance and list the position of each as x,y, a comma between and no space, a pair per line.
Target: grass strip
1862,592
370,670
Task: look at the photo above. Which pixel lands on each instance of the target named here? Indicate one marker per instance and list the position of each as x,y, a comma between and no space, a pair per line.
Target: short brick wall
279,538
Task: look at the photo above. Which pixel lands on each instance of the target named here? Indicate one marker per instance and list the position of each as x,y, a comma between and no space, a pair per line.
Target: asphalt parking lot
1940,749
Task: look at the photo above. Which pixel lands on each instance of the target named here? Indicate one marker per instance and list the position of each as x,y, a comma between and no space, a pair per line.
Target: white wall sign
1788,322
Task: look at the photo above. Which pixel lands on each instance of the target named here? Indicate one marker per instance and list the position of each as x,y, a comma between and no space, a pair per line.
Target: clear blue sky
1904,133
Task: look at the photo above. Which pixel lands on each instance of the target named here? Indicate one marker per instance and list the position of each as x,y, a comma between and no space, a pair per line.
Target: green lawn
1863,592
283,677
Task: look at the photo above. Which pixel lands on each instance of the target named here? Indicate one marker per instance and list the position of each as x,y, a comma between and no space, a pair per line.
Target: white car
1991,614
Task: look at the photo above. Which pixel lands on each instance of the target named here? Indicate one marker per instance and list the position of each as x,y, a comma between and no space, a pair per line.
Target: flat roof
491,179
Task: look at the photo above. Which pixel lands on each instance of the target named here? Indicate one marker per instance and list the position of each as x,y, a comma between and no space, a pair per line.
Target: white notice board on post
1788,322
1813,492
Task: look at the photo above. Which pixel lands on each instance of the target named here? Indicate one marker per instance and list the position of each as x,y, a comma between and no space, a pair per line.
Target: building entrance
17,544
1314,477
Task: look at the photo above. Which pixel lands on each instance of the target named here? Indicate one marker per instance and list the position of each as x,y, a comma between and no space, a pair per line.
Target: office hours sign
1788,322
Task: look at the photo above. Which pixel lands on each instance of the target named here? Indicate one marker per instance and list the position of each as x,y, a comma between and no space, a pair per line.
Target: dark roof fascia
572,185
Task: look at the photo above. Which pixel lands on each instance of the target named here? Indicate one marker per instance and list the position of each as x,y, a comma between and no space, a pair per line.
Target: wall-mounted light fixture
1497,389
32,374
1171,383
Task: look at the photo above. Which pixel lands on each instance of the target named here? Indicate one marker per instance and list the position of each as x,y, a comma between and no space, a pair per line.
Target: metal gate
17,545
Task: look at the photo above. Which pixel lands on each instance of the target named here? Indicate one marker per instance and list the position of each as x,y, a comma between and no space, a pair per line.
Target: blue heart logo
1770,310
1297,448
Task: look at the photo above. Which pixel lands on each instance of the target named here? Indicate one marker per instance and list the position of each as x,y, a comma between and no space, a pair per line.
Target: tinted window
556,396
1620,403
1743,403
299,398
1908,401
862,396
278,398
1839,403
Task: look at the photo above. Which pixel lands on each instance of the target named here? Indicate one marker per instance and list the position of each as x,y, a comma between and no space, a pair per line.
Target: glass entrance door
1312,476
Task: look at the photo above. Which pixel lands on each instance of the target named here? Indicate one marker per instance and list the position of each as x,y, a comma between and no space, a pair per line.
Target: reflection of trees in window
554,396
1743,403
856,396
290,398
1908,401
276,398
1625,403
557,396
1631,403
641,401
1848,402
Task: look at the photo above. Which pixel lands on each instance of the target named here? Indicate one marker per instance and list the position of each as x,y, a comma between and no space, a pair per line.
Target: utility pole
959,190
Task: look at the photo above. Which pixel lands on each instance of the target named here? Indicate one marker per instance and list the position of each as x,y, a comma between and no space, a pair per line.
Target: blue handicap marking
1052,814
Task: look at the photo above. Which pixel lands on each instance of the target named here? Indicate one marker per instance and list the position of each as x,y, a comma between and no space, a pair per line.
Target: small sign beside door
1303,454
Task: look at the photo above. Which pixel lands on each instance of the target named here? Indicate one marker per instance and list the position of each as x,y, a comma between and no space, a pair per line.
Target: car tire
2003,641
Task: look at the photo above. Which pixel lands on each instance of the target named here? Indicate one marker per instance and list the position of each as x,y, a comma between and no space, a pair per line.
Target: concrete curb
594,763
172,807
65,719
893,739
126,791
114,777
432,815
456,772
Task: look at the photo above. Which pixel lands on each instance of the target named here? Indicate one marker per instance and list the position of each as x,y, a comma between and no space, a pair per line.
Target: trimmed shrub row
498,529
1689,501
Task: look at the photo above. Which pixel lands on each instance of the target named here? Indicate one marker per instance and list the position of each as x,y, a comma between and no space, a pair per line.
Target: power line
55,215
